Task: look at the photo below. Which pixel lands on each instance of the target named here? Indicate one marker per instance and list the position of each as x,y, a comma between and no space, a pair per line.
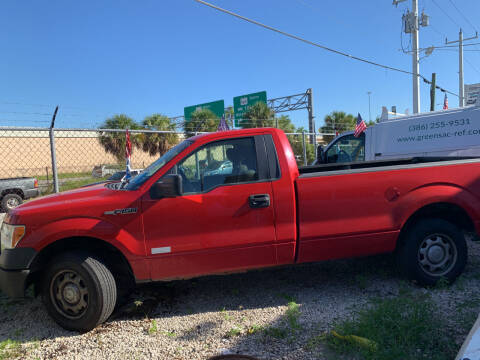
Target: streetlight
369,110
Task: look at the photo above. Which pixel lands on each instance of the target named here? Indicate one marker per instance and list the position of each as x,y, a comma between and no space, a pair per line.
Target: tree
158,143
114,142
296,141
337,121
258,115
202,120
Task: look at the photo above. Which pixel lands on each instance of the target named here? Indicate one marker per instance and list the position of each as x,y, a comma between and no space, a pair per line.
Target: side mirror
320,154
167,186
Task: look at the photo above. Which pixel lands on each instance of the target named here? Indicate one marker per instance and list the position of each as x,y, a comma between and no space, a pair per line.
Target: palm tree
114,142
337,121
202,120
158,143
258,115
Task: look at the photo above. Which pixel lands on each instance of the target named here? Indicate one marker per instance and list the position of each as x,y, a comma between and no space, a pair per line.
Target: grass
64,175
153,327
402,328
289,325
234,331
10,349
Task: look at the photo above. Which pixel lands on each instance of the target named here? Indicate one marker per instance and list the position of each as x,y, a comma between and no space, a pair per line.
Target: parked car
120,175
85,248
453,132
104,170
14,191
225,167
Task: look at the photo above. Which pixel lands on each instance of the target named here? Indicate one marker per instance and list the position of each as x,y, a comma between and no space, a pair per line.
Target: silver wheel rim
69,294
12,203
437,254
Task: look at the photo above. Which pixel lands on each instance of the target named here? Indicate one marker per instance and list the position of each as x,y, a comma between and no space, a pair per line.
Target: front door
216,225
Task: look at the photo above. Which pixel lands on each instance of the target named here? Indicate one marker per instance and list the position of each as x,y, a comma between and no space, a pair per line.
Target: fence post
52,152
304,149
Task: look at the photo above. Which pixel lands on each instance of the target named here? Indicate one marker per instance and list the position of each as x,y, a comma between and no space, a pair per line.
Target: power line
446,14
473,67
314,43
468,21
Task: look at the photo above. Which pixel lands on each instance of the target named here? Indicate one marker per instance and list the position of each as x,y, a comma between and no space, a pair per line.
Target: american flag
128,153
445,102
360,126
223,126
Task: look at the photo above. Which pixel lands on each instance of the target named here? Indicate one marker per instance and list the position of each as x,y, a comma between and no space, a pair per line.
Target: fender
433,193
130,245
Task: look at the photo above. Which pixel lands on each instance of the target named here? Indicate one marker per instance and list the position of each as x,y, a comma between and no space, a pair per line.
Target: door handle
259,200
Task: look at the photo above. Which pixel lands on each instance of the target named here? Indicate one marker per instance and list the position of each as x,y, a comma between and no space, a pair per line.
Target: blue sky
99,58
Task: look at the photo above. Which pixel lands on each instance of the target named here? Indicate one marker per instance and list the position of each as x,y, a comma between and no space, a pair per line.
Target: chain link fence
86,156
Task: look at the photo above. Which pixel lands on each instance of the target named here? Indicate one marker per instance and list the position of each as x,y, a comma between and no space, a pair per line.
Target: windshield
146,174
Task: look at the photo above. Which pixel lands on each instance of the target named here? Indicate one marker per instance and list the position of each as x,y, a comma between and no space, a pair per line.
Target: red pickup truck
231,201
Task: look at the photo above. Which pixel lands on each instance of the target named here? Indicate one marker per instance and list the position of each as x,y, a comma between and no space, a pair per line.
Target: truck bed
401,163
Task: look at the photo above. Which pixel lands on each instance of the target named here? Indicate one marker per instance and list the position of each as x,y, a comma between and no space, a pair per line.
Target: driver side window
221,162
347,149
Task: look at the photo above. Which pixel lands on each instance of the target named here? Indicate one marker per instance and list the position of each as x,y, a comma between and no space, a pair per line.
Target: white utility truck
454,132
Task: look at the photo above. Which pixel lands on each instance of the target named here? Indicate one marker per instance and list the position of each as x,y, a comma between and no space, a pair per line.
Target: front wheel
11,201
433,249
79,291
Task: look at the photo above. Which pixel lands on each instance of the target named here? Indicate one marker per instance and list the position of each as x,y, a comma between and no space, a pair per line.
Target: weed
153,327
226,316
170,333
315,342
292,314
234,331
254,329
9,349
404,328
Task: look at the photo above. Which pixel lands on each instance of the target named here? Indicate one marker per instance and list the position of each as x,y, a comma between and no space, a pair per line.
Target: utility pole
461,88
415,59
369,108
412,22
432,91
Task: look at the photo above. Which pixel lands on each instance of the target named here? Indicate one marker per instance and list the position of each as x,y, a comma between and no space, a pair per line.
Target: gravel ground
200,318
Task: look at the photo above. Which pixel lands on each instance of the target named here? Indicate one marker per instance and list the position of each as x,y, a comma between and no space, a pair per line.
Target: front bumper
14,270
12,282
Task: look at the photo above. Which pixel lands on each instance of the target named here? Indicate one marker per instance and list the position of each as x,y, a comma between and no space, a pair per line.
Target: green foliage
338,121
153,327
203,120
234,331
114,143
10,349
258,115
404,328
296,141
158,143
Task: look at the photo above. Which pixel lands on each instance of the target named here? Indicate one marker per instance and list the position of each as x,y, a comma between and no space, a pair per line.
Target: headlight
10,235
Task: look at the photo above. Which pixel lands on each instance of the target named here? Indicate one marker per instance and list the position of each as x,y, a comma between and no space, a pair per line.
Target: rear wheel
79,291
433,249
11,201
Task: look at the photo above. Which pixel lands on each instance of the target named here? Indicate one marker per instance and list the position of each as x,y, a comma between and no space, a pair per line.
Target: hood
92,201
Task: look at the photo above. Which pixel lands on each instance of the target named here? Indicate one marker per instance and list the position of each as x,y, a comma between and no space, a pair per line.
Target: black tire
79,291
11,201
432,249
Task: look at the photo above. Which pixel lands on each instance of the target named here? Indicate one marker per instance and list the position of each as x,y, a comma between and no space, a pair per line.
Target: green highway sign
242,103
217,107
